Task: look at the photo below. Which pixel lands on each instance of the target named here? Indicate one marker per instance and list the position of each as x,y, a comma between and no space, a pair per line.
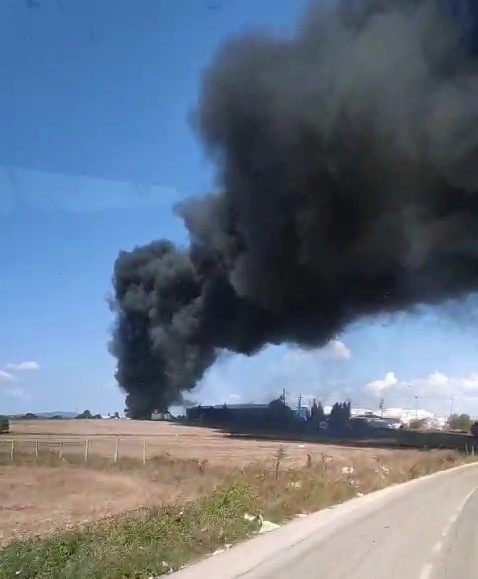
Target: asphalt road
426,529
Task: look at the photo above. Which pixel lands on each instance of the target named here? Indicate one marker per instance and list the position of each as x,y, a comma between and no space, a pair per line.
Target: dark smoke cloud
348,157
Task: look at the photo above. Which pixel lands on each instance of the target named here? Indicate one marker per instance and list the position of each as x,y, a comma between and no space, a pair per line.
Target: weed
279,456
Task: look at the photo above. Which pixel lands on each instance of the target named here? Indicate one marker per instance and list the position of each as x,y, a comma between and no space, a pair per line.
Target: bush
417,424
460,422
474,429
29,416
4,424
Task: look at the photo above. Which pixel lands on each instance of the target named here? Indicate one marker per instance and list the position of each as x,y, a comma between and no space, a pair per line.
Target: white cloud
439,380
16,393
437,392
27,365
377,387
339,350
297,356
335,349
470,385
436,384
5,377
233,398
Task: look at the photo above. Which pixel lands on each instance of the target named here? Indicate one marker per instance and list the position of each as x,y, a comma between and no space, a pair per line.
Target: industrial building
259,415
237,413
250,413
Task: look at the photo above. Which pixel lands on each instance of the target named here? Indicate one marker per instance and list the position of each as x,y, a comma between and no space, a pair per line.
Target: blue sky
95,147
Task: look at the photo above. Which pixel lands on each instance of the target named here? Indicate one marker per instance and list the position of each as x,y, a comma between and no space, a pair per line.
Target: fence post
87,446
36,448
12,450
60,452
116,450
144,451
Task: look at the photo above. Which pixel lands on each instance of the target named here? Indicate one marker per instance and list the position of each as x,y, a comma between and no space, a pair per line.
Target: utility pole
416,406
299,402
381,406
452,401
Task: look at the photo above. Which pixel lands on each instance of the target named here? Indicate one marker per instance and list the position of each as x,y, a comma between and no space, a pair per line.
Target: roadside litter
264,526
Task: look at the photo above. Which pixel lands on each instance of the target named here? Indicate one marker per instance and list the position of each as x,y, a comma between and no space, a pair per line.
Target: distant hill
45,415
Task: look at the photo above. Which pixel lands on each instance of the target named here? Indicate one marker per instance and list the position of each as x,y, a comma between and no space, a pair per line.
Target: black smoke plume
347,160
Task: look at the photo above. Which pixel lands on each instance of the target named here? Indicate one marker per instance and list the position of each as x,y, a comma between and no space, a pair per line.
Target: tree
461,422
339,416
84,415
317,414
4,424
280,415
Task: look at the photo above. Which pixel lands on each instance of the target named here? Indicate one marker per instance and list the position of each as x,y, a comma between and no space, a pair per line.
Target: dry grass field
180,441
52,491
37,499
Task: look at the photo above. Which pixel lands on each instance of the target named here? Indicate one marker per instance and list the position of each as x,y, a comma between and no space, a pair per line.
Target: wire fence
76,449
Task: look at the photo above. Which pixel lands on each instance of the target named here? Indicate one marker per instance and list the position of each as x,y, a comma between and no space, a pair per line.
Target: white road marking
437,547
454,517
426,571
